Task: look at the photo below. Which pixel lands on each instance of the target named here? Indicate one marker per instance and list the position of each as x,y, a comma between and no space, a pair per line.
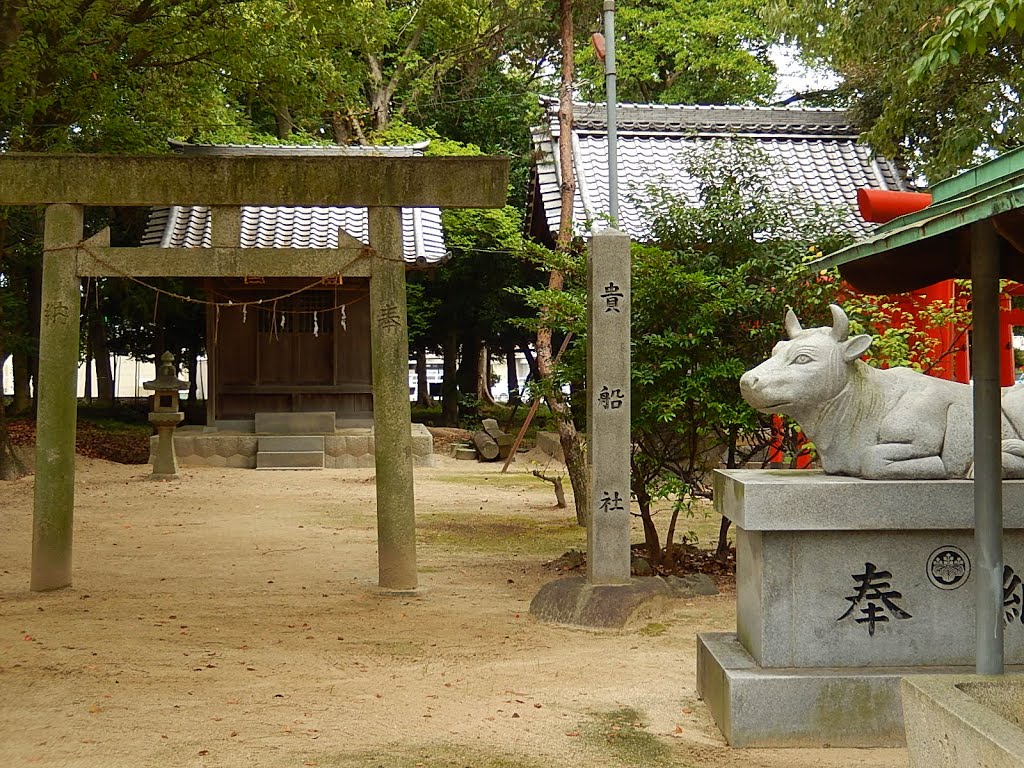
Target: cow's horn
840,323
792,324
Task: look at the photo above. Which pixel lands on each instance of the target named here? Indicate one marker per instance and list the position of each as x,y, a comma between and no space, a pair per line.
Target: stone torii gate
66,184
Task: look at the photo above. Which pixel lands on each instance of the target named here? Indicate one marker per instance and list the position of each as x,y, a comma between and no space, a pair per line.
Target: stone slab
549,443
348,448
837,707
281,443
962,722
575,601
422,440
793,500
234,425
299,423
290,460
807,598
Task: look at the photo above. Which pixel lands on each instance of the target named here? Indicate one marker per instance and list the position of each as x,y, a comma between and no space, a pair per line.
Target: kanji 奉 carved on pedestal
893,424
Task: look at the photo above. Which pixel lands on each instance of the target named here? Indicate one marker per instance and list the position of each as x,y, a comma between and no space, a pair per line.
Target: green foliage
968,30
934,85
686,52
708,302
900,335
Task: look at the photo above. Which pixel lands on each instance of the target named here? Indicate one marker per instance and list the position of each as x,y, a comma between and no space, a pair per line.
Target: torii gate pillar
56,412
392,438
65,184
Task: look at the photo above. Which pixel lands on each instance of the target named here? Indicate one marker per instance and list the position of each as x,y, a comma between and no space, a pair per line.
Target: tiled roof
815,151
287,227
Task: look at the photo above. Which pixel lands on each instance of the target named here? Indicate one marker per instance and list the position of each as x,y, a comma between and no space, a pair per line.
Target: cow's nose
748,380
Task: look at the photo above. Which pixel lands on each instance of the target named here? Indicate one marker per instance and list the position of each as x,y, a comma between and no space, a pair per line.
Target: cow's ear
855,347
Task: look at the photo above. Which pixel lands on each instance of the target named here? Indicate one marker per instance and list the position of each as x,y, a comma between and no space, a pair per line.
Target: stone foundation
348,448
843,587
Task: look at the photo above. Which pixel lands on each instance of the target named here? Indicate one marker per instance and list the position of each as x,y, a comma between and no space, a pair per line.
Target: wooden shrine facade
305,352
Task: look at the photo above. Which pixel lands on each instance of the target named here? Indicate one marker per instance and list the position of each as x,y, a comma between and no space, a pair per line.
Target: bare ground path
231,619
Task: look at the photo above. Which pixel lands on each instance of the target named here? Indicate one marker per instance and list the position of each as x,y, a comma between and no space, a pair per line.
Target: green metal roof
932,244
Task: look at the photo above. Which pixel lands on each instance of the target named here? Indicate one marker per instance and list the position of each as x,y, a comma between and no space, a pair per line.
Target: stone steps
290,452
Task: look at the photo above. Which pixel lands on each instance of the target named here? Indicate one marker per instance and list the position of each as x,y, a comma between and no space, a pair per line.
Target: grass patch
435,756
491,533
622,733
653,630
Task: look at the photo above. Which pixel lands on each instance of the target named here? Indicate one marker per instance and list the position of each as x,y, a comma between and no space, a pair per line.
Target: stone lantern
165,417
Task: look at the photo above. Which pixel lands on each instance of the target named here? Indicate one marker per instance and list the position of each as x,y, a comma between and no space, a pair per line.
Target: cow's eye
803,359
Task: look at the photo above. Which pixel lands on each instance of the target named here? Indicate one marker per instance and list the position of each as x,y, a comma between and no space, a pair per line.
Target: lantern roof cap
165,378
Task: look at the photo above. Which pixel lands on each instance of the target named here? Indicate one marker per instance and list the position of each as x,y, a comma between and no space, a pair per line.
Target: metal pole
609,85
988,473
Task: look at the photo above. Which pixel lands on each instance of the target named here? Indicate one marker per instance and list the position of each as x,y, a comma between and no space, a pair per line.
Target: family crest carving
893,424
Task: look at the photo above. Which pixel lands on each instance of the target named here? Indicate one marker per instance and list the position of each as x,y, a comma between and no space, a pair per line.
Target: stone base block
348,448
577,602
801,707
297,423
233,425
842,572
290,460
291,443
961,722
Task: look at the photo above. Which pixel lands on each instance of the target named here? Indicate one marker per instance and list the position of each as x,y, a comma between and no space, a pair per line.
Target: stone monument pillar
607,597
608,412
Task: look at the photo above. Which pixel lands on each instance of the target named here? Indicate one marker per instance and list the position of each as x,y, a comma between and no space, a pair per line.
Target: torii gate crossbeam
66,184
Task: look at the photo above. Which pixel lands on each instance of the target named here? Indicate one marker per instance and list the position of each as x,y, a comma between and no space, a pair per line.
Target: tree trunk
449,384
101,354
11,467
192,365
531,361
283,120
35,287
572,444
514,398
651,540
469,366
423,398
87,386
483,377
22,402
19,286
722,550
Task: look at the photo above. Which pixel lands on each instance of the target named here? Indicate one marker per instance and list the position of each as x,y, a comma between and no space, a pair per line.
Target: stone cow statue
894,424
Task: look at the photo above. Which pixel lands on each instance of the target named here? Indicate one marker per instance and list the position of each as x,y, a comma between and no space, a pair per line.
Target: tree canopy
686,52
933,84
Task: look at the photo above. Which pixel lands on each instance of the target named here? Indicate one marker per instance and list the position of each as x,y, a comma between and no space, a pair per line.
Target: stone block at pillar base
577,602
802,707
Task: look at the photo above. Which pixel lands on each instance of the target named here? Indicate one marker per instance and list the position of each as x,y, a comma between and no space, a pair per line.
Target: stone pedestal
844,586
164,459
